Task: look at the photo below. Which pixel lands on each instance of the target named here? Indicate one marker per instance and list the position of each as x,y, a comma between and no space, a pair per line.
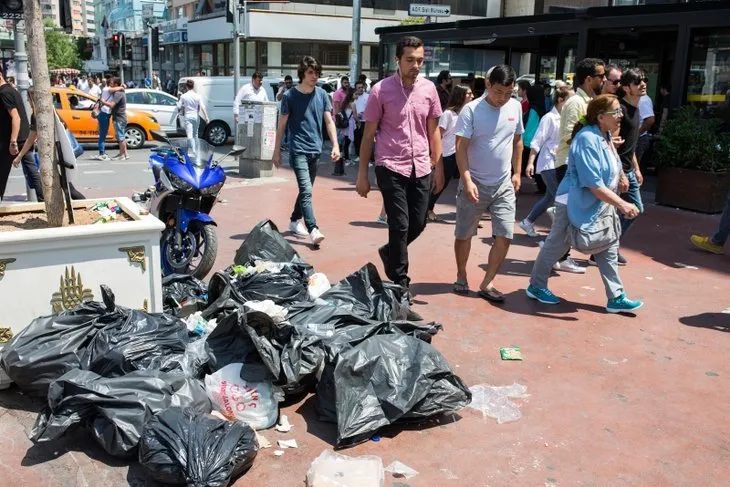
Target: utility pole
149,52
236,48
21,62
121,62
355,49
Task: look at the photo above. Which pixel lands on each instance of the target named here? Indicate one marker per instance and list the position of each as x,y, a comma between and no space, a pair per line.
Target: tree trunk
44,113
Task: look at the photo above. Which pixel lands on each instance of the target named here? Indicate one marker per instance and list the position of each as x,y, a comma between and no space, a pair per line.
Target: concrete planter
689,189
48,270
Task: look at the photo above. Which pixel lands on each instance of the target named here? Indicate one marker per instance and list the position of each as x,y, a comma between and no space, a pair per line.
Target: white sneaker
541,243
298,228
569,265
356,159
529,228
317,236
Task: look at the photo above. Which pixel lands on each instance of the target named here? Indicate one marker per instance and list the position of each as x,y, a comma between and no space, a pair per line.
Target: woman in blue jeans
590,184
104,119
545,142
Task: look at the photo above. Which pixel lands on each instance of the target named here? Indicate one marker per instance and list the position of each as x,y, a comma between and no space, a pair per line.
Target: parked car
74,108
161,105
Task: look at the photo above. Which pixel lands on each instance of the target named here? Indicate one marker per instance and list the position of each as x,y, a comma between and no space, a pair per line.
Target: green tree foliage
62,49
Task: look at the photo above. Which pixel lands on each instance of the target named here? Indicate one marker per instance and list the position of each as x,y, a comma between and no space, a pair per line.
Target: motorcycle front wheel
196,253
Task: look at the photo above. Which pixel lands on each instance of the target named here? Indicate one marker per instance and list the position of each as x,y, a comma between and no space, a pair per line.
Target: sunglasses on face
615,82
639,81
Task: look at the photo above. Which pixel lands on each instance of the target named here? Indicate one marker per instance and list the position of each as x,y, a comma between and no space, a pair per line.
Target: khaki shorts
499,200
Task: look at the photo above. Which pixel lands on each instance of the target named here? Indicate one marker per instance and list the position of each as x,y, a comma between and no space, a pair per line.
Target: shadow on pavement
16,400
711,321
76,440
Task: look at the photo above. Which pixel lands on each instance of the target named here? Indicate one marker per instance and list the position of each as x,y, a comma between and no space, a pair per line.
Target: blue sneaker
542,295
622,304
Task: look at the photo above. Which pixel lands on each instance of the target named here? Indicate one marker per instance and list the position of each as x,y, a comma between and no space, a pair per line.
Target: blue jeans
305,170
551,187
103,130
724,229
632,195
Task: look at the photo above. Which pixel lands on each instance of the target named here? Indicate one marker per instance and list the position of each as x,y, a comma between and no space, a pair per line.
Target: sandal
491,295
461,288
434,218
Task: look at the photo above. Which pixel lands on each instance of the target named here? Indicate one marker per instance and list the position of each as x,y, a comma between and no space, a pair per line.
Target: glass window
708,80
334,54
136,98
57,101
161,99
292,52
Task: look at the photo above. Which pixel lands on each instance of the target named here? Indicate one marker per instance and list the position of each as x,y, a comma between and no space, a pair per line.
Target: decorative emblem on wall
6,334
136,255
71,293
3,264
146,306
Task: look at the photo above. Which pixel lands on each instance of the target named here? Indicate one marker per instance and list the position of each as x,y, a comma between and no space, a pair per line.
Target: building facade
89,19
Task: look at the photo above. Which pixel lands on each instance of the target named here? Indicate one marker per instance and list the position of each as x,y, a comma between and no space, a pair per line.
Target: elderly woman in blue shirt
591,183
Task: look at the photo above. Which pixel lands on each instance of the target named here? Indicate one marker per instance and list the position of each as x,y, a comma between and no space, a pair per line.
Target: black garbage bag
114,410
264,242
362,294
141,341
52,345
181,446
390,378
183,295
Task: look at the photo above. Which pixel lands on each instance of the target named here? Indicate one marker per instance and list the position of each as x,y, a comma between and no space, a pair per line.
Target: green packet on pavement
510,353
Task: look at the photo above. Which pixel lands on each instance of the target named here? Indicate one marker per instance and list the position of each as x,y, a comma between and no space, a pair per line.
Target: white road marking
99,172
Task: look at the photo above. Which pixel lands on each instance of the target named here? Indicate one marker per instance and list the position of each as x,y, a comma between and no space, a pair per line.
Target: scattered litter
107,211
375,438
494,401
449,474
278,453
331,469
251,402
685,266
711,374
287,444
283,425
263,441
197,325
649,278
276,312
615,362
588,288
318,285
183,447
402,470
510,353
726,311
183,295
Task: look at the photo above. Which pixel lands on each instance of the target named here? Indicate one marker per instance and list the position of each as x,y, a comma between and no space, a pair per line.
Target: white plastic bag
251,402
318,285
494,401
331,469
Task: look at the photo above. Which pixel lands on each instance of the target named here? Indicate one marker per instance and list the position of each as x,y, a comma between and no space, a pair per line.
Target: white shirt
83,86
448,141
190,103
106,96
249,93
646,109
95,91
360,104
545,141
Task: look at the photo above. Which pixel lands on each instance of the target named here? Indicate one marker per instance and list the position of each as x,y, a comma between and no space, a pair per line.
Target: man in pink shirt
404,111
340,94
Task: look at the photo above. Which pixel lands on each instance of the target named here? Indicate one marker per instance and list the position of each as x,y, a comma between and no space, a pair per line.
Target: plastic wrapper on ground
180,446
114,410
494,401
331,469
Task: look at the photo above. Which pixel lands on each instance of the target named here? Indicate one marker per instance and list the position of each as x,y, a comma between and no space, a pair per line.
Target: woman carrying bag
586,207
345,122
103,115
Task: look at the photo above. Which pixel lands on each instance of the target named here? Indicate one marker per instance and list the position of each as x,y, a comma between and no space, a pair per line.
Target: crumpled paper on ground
494,401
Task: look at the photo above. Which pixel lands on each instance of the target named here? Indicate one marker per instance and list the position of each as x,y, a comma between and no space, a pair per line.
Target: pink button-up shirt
402,115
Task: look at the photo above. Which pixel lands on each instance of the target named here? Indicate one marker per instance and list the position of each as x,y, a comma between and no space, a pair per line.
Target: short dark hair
306,63
360,82
190,84
443,75
116,80
288,78
523,84
345,78
407,41
502,74
612,67
630,76
585,69
363,78
257,75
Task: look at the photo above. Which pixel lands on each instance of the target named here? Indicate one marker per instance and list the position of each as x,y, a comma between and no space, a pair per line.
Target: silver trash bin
256,131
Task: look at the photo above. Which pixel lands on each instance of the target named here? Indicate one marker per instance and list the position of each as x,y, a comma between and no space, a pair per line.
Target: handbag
604,232
342,122
96,110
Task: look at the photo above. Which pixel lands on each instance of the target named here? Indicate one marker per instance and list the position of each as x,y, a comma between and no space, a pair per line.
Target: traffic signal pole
121,62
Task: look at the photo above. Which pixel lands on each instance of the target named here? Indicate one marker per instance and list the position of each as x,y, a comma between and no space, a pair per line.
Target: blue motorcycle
187,183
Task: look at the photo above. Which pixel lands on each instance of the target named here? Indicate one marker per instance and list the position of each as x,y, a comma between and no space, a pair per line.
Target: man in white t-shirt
94,89
253,91
361,102
192,109
489,155
83,84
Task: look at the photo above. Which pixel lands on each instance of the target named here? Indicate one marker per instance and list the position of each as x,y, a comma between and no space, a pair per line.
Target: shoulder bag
604,232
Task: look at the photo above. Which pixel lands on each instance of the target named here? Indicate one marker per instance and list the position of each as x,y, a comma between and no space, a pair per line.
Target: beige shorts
499,200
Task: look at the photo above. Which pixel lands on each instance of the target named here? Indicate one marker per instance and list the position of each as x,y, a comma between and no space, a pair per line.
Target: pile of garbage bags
265,329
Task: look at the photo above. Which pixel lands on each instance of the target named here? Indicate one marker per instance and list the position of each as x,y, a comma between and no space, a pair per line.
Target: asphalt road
105,178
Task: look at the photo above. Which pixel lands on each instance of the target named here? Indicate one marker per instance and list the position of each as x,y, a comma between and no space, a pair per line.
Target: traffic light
115,40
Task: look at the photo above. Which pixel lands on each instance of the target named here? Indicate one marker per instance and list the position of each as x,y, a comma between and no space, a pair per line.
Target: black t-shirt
630,125
10,98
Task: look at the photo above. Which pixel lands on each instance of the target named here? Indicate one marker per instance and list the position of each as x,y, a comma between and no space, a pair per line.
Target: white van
218,94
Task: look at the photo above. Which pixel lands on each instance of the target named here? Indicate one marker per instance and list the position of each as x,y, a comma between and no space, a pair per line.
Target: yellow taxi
74,108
